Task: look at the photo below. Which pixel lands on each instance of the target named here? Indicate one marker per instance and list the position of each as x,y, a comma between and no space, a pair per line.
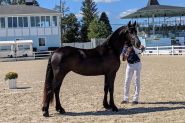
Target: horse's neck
114,42
115,45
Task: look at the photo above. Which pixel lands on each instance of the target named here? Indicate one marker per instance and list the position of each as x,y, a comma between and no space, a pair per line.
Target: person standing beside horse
133,58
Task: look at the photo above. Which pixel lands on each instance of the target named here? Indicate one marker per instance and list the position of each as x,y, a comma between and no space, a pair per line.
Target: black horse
102,60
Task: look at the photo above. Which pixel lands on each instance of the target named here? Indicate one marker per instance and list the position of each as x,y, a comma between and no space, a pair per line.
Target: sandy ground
162,94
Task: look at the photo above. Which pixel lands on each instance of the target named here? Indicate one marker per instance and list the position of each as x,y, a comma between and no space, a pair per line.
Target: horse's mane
113,36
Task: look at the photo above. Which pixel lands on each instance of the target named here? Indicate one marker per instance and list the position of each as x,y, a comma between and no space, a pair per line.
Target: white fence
87,45
158,50
165,50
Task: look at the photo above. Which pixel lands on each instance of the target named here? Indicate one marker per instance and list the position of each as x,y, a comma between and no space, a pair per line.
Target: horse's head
130,34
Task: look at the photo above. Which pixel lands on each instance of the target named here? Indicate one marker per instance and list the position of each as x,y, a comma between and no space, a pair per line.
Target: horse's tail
48,86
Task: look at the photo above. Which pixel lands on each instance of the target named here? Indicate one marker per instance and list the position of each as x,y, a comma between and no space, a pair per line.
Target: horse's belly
95,66
89,71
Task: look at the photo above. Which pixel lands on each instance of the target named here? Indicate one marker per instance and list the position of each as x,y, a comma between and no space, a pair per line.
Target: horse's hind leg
106,87
46,104
57,91
58,104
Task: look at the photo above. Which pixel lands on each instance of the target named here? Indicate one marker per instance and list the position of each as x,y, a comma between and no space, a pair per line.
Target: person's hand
129,49
124,57
142,48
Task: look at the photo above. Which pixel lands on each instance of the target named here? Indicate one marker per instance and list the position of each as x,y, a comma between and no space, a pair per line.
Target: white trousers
132,69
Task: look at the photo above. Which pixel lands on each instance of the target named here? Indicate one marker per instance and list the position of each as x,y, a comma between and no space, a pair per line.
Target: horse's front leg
106,87
111,91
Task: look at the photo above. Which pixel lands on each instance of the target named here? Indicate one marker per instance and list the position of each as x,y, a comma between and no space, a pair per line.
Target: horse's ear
129,24
134,24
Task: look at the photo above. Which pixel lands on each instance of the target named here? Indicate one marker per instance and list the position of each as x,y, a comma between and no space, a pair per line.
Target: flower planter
11,78
12,83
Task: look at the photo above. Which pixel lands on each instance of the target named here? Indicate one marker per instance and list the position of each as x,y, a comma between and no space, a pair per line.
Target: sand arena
162,94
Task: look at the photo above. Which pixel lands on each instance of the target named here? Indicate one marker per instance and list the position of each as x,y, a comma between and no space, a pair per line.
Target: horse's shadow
131,111
165,103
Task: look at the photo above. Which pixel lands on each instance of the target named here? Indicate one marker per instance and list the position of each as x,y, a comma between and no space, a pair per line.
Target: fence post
157,50
34,55
93,41
172,50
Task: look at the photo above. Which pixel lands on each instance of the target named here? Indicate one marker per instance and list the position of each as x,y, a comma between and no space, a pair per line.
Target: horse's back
95,61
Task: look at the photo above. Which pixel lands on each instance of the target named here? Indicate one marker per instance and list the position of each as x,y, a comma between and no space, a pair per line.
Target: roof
153,8
16,42
24,42
152,2
7,42
24,9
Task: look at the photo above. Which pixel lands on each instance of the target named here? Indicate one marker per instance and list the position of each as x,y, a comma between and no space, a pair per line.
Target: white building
24,22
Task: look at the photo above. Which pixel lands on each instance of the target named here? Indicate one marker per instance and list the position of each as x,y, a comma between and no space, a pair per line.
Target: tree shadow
122,111
22,88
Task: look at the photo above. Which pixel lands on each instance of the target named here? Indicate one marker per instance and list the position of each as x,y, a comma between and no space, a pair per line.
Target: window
2,22
23,47
5,48
54,22
25,20
48,21
32,19
37,19
41,41
14,21
17,39
20,21
10,22
43,21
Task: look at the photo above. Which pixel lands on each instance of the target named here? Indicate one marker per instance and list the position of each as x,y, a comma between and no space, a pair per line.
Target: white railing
41,55
165,50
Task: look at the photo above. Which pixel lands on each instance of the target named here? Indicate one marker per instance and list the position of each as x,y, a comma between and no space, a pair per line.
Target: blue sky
114,8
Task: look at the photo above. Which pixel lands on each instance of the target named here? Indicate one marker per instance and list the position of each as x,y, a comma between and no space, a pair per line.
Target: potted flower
11,78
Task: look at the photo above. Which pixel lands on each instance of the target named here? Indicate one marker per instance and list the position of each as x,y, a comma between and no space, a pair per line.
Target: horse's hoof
46,114
106,106
61,111
115,109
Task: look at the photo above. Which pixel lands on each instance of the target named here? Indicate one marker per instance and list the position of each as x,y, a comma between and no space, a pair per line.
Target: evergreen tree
89,11
105,19
97,29
72,25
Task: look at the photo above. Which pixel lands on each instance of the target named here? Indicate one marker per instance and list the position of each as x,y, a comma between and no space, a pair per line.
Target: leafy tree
20,2
72,25
89,11
14,2
35,3
105,19
62,9
5,2
97,29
